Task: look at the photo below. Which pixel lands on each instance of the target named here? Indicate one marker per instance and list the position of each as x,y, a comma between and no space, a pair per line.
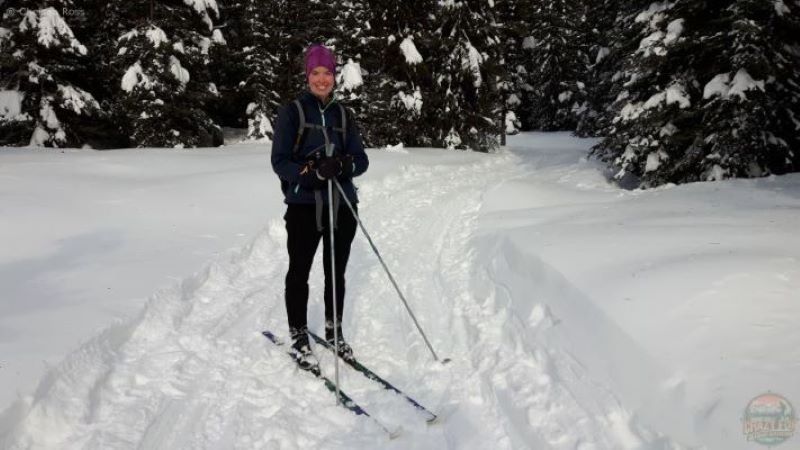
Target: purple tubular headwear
318,55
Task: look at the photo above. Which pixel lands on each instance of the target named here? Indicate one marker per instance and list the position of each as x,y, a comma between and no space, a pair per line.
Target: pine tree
604,57
752,99
557,63
707,94
42,99
397,73
260,55
354,41
512,18
281,31
161,65
465,105
226,68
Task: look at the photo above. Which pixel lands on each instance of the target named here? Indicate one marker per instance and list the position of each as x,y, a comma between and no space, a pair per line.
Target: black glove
347,166
329,167
308,177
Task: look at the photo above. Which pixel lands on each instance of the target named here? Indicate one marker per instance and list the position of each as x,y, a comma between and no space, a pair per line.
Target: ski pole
329,153
391,278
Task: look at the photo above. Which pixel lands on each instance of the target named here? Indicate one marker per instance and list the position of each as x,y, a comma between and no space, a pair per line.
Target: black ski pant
303,240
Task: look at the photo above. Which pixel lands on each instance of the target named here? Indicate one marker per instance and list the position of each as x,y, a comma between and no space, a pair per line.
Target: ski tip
271,336
446,360
433,420
395,434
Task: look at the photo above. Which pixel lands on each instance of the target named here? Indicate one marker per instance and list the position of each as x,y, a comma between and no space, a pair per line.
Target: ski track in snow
193,371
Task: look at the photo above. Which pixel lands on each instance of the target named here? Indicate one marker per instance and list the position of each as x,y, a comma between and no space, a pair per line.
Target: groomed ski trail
193,371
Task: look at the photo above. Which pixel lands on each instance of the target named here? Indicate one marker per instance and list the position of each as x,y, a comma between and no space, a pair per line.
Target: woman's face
320,81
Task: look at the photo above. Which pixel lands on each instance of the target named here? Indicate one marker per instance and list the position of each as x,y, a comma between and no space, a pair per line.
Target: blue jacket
288,165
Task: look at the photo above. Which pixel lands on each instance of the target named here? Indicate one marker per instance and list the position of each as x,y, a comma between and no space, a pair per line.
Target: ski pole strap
319,204
344,126
300,128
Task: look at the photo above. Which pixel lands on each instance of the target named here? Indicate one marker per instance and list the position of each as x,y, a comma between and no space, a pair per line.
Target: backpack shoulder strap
344,124
301,127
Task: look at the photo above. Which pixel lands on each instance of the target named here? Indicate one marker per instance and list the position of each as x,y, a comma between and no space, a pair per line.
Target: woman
300,160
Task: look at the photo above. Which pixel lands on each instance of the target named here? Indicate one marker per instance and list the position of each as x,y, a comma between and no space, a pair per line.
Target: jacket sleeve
355,145
285,132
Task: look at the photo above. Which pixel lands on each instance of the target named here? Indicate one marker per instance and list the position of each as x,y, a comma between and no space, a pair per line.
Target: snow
674,31
633,110
47,114
717,86
723,86
177,70
39,137
651,40
202,7
76,99
601,54
577,315
410,51
134,77
676,93
655,100
35,71
398,148
742,83
204,43
653,9
129,35
668,130
411,102
472,63
156,36
217,37
781,8
11,104
716,173
265,126
529,42
51,28
654,159
794,119
350,77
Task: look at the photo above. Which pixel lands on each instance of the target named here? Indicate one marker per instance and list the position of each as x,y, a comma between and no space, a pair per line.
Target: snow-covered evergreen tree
707,94
355,40
42,99
279,33
260,55
512,17
394,72
465,106
161,67
227,69
557,62
605,54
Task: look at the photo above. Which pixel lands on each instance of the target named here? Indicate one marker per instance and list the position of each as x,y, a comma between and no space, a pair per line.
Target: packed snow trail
193,371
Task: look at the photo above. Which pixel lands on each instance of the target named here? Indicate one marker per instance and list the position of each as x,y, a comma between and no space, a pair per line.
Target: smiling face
320,82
